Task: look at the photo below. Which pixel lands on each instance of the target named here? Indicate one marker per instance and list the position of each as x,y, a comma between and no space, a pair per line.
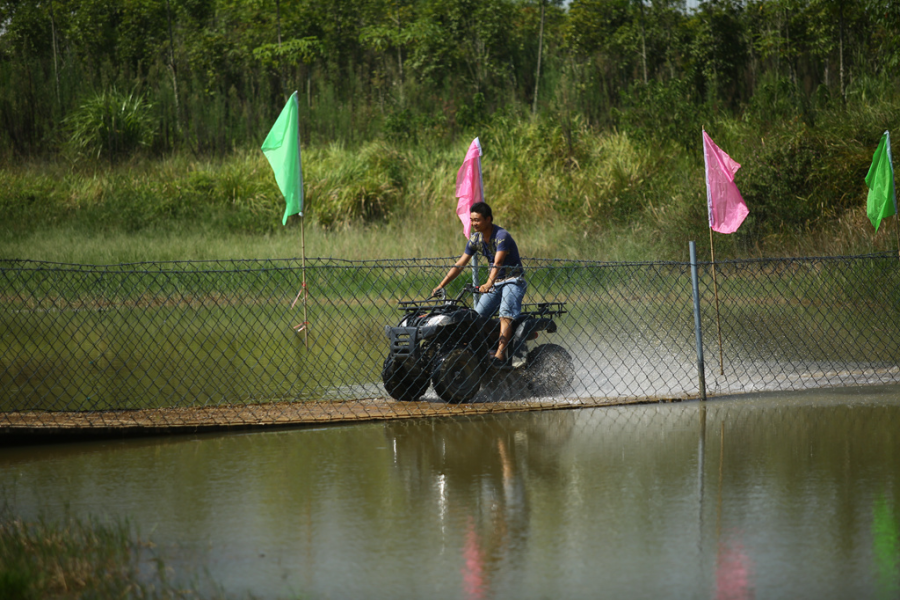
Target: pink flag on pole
727,209
469,188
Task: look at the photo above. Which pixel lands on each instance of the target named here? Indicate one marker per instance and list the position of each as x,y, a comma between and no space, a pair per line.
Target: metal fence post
697,332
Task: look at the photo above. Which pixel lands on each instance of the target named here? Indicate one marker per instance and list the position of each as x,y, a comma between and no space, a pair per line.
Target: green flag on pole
282,149
882,200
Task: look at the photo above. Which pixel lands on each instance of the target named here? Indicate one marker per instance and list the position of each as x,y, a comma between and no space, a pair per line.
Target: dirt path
18,426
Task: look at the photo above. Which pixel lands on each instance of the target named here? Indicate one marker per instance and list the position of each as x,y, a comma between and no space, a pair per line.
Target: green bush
343,187
110,125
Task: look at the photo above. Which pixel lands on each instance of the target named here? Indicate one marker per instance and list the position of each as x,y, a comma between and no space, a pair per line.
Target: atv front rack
413,306
403,340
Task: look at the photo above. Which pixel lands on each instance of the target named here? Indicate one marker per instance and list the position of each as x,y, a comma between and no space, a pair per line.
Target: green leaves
304,50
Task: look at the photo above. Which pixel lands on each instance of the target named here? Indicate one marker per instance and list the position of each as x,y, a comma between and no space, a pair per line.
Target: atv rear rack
544,308
537,309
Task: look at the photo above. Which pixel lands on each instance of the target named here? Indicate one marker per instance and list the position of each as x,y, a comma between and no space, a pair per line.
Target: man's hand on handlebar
485,288
441,293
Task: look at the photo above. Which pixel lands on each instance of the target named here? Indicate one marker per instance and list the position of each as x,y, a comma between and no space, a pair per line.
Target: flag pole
712,254
303,271
475,256
893,191
302,233
712,257
726,207
897,231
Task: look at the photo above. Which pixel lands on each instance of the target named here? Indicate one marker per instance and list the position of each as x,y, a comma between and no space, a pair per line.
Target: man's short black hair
482,209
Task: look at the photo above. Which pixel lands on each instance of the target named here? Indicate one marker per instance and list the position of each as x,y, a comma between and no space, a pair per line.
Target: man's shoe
500,364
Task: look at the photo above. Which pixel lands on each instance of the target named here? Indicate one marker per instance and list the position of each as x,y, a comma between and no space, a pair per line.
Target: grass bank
564,189
81,558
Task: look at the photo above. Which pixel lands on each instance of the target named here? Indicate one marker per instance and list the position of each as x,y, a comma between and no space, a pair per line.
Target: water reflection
768,496
733,570
478,471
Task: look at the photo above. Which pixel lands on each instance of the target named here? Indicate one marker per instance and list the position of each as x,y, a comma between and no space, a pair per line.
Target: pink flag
727,209
469,188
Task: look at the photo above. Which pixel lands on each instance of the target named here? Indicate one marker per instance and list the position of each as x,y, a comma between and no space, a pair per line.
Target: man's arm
454,271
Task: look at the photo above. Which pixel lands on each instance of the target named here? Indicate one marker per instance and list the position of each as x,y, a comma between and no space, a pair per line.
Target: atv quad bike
442,342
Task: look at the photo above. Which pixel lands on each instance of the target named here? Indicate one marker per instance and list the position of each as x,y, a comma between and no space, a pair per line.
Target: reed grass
564,189
81,558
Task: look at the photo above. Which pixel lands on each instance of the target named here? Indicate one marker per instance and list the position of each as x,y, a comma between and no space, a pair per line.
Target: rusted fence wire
189,344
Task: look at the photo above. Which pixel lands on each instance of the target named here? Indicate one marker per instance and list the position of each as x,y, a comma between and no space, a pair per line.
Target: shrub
110,125
346,186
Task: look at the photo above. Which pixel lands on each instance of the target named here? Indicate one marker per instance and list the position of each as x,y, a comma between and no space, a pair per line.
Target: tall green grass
563,188
80,558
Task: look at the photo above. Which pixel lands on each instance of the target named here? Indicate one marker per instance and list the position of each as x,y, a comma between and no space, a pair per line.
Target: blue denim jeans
507,295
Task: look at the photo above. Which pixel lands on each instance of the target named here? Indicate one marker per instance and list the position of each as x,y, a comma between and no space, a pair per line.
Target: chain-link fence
226,342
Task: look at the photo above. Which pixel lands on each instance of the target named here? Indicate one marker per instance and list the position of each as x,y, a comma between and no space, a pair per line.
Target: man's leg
510,308
486,304
505,326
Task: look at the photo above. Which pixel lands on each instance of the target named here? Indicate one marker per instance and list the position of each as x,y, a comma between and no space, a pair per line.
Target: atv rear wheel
457,376
550,370
403,383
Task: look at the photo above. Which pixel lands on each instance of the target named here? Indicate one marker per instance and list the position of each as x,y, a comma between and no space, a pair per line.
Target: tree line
107,78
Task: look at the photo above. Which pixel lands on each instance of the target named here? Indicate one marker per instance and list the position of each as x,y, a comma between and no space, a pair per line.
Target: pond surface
768,496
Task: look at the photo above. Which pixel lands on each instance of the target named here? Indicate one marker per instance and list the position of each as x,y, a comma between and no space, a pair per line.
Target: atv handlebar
440,297
441,294
538,309
471,288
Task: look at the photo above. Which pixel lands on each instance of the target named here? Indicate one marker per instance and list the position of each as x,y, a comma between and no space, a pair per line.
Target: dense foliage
212,72
590,110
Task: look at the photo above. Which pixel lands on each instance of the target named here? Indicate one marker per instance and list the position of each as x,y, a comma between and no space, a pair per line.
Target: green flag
282,148
882,200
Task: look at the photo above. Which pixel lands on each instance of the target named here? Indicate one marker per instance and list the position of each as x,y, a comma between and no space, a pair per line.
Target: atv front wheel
550,370
401,382
457,376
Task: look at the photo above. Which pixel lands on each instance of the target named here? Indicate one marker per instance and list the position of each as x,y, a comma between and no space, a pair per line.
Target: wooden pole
302,232
304,326
475,256
712,254
303,271
893,197
897,230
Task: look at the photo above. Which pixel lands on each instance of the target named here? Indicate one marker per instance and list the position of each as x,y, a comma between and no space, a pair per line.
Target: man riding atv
505,286
459,351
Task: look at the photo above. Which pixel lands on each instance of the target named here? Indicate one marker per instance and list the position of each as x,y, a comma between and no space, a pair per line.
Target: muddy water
769,496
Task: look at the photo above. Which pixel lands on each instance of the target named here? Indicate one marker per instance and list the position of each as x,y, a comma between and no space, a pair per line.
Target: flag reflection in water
733,571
